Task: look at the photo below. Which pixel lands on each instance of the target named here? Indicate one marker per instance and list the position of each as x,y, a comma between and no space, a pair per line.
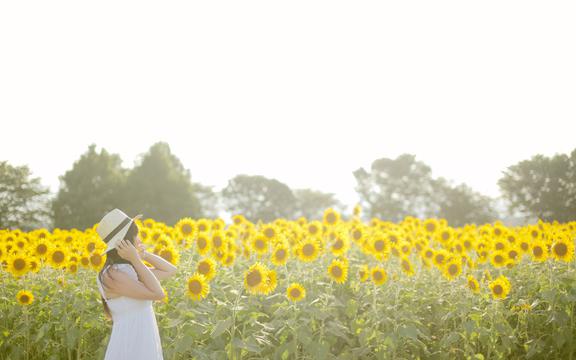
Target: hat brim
121,234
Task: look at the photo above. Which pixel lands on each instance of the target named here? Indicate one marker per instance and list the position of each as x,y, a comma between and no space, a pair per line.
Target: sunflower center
498,289
269,232
379,245
186,229
313,229
453,269
406,265
430,227
524,246
440,258
338,244
254,278
308,249
19,264
472,285
445,235
498,259
217,241
41,249
357,234
331,218
96,259
203,268
280,254
91,247
512,254
195,287
202,243
295,292
260,244
499,246
24,298
378,276
58,256
561,249
336,271
167,255
537,251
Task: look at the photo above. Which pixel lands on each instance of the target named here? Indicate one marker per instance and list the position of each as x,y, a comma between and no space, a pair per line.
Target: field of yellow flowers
418,289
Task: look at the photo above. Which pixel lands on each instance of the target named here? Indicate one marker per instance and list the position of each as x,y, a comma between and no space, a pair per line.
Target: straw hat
114,226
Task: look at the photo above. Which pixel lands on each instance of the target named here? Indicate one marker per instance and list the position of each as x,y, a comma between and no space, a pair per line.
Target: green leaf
220,327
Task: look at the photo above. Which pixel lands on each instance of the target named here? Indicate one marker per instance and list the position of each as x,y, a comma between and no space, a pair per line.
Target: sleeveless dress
134,331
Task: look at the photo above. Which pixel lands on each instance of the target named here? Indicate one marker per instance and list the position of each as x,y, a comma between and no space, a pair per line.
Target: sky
305,92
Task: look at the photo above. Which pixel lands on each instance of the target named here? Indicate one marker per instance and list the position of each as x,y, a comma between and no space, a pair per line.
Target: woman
127,288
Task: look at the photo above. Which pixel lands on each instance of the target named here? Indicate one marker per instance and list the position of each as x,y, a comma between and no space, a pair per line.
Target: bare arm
163,269
122,284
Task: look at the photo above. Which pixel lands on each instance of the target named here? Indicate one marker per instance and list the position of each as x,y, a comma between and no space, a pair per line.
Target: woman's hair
112,257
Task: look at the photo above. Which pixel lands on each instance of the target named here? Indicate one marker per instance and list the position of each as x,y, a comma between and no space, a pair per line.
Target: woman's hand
127,251
142,251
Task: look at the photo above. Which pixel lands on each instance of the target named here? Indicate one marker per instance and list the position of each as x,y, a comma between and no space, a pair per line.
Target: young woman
128,288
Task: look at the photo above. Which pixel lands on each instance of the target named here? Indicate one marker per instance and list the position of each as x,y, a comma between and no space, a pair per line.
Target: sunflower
18,264
331,217
340,245
260,244
562,249
295,292
270,283
407,267
255,278
42,248
198,287
309,249
338,271
498,258
314,228
452,269
473,284
269,231
229,259
97,261
357,210
378,275
440,257
280,255
207,267
169,254
430,226
24,297
203,244
57,257
186,227
363,273
380,247
218,239
500,287
539,251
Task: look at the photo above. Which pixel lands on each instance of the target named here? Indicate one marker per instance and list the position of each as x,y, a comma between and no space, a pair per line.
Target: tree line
160,187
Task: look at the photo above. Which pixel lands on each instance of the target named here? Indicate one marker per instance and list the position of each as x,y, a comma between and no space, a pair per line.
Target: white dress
134,331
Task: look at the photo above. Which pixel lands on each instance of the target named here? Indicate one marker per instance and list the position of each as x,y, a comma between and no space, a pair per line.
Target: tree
396,188
258,198
159,187
90,189
542,187
460,205
311,204
24,202
209,201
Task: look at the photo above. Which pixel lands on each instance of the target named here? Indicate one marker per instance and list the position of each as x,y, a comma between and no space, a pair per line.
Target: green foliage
258,198
419,317
311,203
24,203
88,190
160,187
396,188
544,187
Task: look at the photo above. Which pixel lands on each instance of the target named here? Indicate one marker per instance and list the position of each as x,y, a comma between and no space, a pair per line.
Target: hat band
117,229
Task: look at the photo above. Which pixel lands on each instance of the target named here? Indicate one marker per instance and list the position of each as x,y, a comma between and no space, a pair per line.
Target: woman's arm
163,269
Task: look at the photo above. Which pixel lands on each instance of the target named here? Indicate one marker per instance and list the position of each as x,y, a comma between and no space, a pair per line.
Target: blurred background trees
160,187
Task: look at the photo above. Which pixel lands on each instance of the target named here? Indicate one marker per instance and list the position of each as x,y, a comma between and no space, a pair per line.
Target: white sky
301,91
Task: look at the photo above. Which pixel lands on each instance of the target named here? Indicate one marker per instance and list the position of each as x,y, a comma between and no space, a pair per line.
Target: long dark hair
112,257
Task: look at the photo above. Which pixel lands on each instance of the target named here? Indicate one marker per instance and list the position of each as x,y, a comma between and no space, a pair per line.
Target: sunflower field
306,289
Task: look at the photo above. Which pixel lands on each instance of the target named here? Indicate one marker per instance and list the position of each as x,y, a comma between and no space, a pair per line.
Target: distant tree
311,203
24,202
258,198
543,187
209,200
159,187
460,205
89,189
396,188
